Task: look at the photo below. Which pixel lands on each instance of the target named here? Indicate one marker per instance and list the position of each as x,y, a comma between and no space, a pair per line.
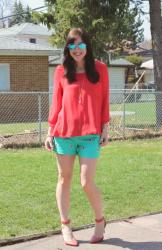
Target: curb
16,240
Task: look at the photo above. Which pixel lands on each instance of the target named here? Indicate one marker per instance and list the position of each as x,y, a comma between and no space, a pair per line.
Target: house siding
117,81
27,73
43,40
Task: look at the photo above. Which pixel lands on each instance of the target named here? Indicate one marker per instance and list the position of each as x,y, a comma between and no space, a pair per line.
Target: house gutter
12,52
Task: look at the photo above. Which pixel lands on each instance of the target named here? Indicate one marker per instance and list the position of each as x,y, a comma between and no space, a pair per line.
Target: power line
42,7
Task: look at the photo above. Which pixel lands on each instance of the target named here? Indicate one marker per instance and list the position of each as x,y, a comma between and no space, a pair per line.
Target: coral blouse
79,108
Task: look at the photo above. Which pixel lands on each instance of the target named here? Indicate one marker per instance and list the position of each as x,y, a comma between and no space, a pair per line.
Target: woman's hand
104,136
49,143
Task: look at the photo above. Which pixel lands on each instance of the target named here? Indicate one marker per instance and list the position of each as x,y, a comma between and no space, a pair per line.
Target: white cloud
33,3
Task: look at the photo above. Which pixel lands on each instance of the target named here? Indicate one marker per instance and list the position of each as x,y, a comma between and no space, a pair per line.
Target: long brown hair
69,62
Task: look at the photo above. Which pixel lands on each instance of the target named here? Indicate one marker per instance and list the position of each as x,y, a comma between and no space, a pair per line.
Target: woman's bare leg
65,169
87,174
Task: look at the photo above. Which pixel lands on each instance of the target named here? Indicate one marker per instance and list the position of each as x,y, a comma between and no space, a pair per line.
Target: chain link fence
23,116
134,111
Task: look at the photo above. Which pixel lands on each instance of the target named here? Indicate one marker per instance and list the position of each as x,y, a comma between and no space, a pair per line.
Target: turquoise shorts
85,146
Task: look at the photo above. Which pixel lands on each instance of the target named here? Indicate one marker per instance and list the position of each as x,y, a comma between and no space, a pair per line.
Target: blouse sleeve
56,97
105,104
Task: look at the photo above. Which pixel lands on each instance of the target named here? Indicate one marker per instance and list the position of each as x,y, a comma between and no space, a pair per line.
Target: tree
108,22
156,33
17,13
28,15
136,60
21,14
5,8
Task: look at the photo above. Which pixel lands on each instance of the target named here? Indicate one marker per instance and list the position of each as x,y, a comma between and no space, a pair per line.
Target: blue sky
146,25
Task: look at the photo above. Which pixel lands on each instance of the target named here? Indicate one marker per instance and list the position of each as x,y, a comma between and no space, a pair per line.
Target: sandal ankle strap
65,222
99,220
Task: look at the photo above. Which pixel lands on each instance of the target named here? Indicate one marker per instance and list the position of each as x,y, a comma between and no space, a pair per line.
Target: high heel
99,231
67,234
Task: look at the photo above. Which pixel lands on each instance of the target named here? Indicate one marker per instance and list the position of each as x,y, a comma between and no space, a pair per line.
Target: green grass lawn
21,127
144,114
129,174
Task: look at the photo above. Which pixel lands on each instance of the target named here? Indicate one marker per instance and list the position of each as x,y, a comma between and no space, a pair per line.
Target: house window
4,77
32,40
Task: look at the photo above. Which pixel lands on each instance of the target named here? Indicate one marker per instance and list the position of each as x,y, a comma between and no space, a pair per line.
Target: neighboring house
118,70
148,66
23,67
117,73
29,32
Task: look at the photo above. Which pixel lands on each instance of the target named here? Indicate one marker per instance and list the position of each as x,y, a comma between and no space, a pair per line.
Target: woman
78,125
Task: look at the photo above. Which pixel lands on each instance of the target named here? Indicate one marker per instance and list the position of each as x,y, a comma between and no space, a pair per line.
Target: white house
23,65
117,76
29,32
148,66
117,73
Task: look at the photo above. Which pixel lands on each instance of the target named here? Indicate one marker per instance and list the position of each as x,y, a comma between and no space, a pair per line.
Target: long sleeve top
79,108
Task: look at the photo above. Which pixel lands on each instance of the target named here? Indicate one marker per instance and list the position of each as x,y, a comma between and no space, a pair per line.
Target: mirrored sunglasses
73,46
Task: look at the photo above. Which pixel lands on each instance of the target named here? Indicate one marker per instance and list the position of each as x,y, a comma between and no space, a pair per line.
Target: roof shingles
26,29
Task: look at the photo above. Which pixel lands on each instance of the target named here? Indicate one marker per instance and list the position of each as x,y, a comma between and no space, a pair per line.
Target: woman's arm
105,116
104,135
56,98
55,107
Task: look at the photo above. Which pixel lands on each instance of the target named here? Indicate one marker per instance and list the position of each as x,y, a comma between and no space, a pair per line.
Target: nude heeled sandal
67,234
99,231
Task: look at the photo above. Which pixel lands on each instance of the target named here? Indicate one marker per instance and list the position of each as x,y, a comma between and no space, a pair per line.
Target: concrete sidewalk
142,233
